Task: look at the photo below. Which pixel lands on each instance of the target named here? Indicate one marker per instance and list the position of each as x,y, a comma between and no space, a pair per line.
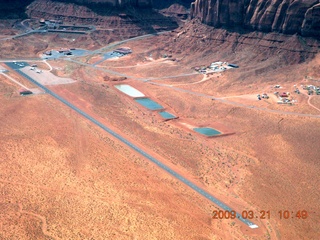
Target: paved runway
137,149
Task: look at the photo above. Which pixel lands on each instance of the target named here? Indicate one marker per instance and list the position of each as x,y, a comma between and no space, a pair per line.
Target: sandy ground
81,184
45,77
265,152
63,178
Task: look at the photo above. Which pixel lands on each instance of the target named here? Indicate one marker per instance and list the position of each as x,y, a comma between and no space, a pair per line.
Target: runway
199,190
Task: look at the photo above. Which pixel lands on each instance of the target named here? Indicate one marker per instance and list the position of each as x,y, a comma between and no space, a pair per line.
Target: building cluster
51,24
216,67
284,98
59,52
34,68
65,51
123,50
264,95
312,89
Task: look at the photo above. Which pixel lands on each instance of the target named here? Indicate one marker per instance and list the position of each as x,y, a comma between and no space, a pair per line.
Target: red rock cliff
286,16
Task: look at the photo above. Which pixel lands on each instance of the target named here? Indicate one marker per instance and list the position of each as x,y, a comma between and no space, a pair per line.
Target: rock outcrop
115,3
285,16
123,23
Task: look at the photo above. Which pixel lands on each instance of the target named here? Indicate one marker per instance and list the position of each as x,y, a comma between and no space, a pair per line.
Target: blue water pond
148,103
167,115
207,131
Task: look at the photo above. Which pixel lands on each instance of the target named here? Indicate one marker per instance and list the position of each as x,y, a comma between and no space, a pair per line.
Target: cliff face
16,8
13,8
106,18
285,16
117,3
167,3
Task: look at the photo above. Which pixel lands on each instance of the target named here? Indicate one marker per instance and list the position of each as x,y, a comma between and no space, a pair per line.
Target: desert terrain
63,177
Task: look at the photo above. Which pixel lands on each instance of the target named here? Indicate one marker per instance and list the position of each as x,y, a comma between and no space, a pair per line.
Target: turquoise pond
167,115
148,103
207,131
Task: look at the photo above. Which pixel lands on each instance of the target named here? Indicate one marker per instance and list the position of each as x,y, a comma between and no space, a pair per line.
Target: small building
55,21
63,50
123,50
67,52
233,65
49,53
284,94
25,92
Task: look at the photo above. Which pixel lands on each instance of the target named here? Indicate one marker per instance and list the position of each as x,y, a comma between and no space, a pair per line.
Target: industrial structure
25,92
123,50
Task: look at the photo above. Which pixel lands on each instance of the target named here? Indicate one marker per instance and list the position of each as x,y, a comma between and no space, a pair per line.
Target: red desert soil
62,178
234,168
263,166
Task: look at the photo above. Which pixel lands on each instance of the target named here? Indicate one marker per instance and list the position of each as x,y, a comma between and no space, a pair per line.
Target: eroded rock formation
285,16
117,3
123,23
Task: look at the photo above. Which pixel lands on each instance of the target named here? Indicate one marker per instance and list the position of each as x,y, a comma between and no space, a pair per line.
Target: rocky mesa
285,16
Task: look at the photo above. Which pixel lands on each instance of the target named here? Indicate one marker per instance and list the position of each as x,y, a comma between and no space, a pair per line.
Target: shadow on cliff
167,3
144,18
13,9
150,20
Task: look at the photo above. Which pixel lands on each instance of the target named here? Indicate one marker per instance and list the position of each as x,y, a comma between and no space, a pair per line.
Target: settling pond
131,91
167,115
148,103
207,131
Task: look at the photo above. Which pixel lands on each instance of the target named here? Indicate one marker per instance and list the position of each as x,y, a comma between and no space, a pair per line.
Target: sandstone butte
284,16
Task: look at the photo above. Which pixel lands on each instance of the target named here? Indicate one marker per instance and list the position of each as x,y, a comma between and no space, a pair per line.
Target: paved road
24,34
102,69
110,46
15,81
311,105
137,149
222,100
235,103
26,25
29,30
151,80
